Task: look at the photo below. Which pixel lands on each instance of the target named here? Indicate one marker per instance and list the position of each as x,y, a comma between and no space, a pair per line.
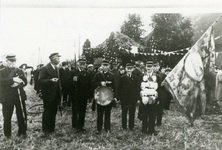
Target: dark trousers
49,116
167,99
100,111
148,118
7,112
159,113
125,109
78,112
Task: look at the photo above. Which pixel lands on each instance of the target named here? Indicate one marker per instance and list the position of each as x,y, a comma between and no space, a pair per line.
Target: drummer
104,78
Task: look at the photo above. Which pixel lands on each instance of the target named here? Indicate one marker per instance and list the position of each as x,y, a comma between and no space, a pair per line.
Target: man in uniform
149,101
80,78
104,78
128,94
161,97
50,85
64,74
12,94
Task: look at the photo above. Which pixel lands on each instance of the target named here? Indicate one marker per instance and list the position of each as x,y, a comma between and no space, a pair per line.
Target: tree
132,27
87,51
171,32
87,44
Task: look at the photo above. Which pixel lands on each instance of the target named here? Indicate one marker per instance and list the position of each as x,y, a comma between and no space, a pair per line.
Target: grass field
175,133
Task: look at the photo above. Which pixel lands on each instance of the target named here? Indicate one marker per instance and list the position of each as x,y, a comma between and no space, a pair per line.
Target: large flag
186,81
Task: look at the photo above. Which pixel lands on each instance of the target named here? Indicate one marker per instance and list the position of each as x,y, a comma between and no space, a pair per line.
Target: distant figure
36,76
116,73
12,94
137,72
64,74
219,87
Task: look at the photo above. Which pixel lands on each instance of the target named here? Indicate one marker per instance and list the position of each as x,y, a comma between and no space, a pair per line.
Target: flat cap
54,54
168,69
11,57
105,62
129,65
149,63
81,60
64,63
90,65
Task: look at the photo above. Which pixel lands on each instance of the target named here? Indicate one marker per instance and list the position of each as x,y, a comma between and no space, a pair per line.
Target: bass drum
103,95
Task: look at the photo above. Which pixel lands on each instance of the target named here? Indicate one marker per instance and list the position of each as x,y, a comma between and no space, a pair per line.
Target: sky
35,29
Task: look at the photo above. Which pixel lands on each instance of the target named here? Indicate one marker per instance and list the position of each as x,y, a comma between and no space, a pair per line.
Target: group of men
54,83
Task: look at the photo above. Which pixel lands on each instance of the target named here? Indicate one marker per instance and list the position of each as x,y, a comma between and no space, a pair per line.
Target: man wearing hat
92,72
50,85
104,78
64,74
81,80
137,71
12,94
161,92
128,94
148,84
116,73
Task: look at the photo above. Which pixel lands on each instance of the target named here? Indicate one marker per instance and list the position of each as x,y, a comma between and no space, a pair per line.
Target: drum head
103,95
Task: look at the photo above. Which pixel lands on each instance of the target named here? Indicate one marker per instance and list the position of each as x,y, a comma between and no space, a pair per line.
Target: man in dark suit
50,85
161,97
104,78
12,94
116,73
137,70
80,78
128,94
64,74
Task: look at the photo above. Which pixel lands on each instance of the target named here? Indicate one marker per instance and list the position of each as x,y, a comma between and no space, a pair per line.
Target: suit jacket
128,92
99,77
49,89
83,83
8,93
64,74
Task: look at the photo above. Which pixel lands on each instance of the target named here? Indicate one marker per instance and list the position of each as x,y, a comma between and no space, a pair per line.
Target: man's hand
103,83
17,80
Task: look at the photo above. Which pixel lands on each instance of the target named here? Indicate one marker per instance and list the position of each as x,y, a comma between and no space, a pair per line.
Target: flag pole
216,20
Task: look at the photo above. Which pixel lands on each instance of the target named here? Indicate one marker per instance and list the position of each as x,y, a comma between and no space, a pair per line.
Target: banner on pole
186,81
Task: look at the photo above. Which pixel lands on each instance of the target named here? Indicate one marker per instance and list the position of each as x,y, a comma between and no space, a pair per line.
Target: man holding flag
187,81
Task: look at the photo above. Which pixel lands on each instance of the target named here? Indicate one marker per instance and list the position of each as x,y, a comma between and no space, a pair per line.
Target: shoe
98,132
131,129
8,136
44,135
158,124
22,136
108,131
81,130
153,133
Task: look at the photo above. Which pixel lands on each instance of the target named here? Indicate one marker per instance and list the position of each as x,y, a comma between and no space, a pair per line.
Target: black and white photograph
110,75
